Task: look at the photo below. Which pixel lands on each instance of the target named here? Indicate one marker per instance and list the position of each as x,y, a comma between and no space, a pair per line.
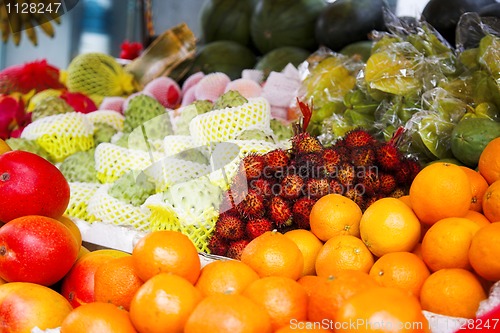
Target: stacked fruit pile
277,190
434,250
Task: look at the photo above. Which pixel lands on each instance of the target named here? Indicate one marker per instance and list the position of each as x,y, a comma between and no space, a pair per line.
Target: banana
4,24
30,32
56,17
47,28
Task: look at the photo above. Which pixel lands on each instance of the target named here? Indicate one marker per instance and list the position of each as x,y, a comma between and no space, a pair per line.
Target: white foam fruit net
226,124
111,210
168,171
174,144
61,135
226,157
109,117
112,161
78,202
166,217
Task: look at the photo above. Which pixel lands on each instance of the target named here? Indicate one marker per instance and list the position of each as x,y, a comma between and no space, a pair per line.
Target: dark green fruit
277,59
278,23
470,136
227,57
444,15
344,22
226,20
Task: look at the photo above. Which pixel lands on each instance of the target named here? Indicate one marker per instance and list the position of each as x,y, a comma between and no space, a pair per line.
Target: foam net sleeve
109,117
112,161
78,202
108,209
227,124
166,217
61,135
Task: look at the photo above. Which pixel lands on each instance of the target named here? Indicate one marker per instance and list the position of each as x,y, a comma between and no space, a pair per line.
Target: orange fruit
274,254
4,147
454,292
491,202
304,326
308,282
489,161
284,299
403,270
477,218
166,251
225,277
344,252
97,317
446,244
440,190
78,285
116,282
24,305
484,252
334,215
309,245
163,304
72,227
418,251
228,314
331,292
406,200
389,225
478,186
382,309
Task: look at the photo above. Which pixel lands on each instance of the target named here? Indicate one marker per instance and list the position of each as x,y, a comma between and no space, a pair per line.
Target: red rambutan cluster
277,190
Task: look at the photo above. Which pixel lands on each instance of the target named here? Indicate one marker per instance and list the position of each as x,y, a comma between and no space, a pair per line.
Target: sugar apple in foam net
132,187
50,106
80,167
143,110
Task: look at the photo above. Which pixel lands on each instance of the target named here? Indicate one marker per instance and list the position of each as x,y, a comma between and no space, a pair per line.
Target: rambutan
388,182
236,248
252,206
358,138
346,174
363,156
336,186
305,143
257,227
280,212
310,165
276,161
398,192
356,194
253,165
415,168
388,157
291,186
218,245
227,204
301,210
317,187
331,159
370,181
262,186
230,227
403,173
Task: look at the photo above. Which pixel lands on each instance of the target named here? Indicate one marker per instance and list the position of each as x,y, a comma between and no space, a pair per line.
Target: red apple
31,185
78,285
36,249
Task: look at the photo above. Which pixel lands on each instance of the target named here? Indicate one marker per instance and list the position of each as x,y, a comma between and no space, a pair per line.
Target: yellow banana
47,28
4,24
56,16
30,32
